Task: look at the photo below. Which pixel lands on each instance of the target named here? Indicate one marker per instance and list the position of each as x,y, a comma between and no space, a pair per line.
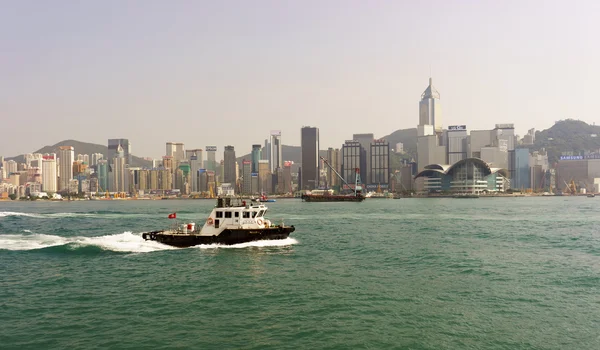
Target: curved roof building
470,175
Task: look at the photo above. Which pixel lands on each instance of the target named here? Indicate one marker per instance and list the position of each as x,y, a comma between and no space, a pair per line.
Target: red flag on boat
173,216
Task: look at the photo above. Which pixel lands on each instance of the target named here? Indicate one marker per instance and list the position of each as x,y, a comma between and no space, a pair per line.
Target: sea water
487,273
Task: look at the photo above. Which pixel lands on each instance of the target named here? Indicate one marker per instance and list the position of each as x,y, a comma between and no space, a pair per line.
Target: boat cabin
241,214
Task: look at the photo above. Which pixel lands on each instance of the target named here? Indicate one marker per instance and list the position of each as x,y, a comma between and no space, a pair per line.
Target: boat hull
332,198
227,236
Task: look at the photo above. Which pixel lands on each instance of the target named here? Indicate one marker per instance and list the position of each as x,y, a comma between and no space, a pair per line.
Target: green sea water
497,273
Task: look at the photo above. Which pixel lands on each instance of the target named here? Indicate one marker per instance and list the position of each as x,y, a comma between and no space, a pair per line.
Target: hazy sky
228,72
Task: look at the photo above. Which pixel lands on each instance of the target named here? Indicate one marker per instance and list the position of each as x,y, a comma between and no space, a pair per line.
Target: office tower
176,150
287,176
380,165
430,109
365,141
506,133
113,145
276,158
310,158
458,140
195,159
256,156
119,171
229,165
66,154
211,154
96,157
353,158
49,178
247,177
102,170
334,158
264,178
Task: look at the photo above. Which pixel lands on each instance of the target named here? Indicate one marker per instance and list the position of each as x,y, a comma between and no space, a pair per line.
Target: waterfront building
49,177
334,157
118,170
582,170
380,165
229,161
353,158
310,158
66,154
73,187
246,177
522,176
275,156
102,171
195,159
256,156
113,146
365,141
458,143
264,176
153,179
471,175
211,162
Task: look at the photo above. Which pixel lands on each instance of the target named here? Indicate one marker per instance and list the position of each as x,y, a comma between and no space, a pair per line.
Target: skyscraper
119,171
211,160
102,169
176,150
256,150
430,109
229,165
353,157
380,165
276,158
310,158
195,158
365,141
334,158
247,176
49,179
66,154
113,145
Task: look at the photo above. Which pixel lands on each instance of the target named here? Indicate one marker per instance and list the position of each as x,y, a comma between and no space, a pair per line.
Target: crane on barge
357,187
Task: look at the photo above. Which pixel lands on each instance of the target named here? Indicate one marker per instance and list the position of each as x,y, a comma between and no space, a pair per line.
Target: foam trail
259,244
123,242
14,213
30,242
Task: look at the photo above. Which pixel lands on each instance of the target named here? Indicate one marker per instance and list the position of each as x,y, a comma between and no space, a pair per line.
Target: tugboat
228,224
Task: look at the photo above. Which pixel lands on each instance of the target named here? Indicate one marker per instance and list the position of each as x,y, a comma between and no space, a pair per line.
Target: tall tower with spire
430,112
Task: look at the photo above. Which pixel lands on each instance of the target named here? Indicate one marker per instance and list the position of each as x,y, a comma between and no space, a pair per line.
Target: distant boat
591,195
466,195
263,198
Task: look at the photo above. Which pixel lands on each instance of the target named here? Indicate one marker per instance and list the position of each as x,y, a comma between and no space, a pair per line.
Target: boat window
253,214
227,214
219,214
260,213
246,215
237,214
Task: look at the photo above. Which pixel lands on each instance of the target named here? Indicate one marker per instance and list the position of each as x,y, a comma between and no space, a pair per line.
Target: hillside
83,148
568,135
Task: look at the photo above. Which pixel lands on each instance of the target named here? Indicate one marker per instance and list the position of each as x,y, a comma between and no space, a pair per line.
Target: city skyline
346,67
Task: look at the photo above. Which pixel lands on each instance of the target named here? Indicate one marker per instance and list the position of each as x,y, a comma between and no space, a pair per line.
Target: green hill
83,148
568,135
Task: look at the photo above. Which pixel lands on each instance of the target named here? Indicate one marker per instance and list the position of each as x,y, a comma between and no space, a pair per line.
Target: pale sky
228,72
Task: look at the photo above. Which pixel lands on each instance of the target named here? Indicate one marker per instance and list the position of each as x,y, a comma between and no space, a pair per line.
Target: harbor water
487,273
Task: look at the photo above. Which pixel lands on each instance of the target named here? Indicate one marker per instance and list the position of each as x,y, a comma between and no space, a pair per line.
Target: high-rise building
276,158
211,158
380,165
334,157
49,178
430,109
256,156
458,140
113,145
353,158
264,176
247,177
66,154
287,176
119,171
310,158
96,157
229,165
102,171
365,141
176,150
195,159
522,178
